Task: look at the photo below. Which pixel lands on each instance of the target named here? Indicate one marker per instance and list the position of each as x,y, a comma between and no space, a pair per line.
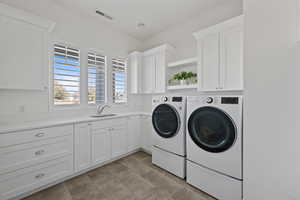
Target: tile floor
130,178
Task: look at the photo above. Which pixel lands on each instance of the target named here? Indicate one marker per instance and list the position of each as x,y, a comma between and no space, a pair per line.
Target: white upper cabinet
231,57
209,55
148,75
160,72
220,56
154,69
135,72
23,49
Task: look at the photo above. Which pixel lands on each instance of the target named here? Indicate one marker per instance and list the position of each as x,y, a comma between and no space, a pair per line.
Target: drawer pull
40,152
39,176
40,135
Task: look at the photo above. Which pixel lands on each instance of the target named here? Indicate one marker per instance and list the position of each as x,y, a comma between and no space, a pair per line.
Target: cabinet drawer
20,156
27,179
109,123
34,135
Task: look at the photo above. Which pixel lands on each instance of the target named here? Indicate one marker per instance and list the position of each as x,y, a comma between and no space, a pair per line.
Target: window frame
126,81
83,61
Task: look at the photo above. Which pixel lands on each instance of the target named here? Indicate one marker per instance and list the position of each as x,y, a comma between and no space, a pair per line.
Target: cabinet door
146,133
135,60
148,81
160,73
118,141
82,146
134,133
101,146
22,53
231,70
209,62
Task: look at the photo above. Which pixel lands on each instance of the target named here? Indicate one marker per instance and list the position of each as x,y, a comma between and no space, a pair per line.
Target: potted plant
193,77
184,78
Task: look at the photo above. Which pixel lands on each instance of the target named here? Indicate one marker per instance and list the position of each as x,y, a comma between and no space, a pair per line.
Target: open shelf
181,87
184,62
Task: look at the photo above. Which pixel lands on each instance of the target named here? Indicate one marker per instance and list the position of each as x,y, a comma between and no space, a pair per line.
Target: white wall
72,28
272,132
180,36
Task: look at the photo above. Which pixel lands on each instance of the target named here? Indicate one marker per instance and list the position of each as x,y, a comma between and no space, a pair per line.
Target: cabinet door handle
39,134
39,152
38,176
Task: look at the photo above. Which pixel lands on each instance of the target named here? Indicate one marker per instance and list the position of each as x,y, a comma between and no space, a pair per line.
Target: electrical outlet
22,108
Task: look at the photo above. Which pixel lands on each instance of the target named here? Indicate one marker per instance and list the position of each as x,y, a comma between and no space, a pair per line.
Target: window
119,80
66,75
96,78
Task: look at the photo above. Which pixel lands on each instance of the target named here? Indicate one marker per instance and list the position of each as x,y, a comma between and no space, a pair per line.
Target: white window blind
96,78
119,76
66,75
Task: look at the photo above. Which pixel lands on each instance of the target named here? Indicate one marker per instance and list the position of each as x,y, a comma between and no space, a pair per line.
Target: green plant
184,75
190,75
177,77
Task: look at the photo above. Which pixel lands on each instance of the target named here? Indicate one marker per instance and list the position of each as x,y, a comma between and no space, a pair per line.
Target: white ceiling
156,14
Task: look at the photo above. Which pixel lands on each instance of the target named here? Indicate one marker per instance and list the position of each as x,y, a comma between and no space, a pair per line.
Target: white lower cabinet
35,158
146,133
118,141
98,142
134,136
27,179
101,146
82,146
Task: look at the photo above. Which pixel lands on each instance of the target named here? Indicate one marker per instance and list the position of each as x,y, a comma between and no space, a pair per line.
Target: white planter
183,82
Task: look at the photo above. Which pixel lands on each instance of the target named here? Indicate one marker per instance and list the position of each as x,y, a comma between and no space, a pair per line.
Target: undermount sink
103,115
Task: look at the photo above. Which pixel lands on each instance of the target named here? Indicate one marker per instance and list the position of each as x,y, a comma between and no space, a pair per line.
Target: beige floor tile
58,192
130,178
136,184
135,165
140,155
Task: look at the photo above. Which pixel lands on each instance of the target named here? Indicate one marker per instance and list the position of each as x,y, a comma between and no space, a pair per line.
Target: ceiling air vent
104,15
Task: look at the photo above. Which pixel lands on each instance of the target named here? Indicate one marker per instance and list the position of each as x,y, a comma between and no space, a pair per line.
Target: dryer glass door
212,129
165,120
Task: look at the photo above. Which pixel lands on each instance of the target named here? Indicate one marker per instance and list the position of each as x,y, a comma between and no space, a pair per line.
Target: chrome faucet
100,108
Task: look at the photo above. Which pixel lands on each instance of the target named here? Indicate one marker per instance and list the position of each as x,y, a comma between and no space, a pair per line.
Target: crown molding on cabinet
22,15
164,47
219,27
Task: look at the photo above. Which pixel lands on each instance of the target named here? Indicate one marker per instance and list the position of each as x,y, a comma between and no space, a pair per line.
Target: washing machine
214,145
168,120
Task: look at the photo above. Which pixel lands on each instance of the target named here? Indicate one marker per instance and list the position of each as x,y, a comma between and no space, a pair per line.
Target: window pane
96,78
119,79
66,75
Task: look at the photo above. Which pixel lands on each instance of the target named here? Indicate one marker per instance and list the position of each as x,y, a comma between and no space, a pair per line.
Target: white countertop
7,128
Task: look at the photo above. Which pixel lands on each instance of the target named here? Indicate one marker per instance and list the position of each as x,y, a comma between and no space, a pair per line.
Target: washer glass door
165,120
212,129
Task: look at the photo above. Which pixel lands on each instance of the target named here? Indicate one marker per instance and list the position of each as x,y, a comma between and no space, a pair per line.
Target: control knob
209,100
